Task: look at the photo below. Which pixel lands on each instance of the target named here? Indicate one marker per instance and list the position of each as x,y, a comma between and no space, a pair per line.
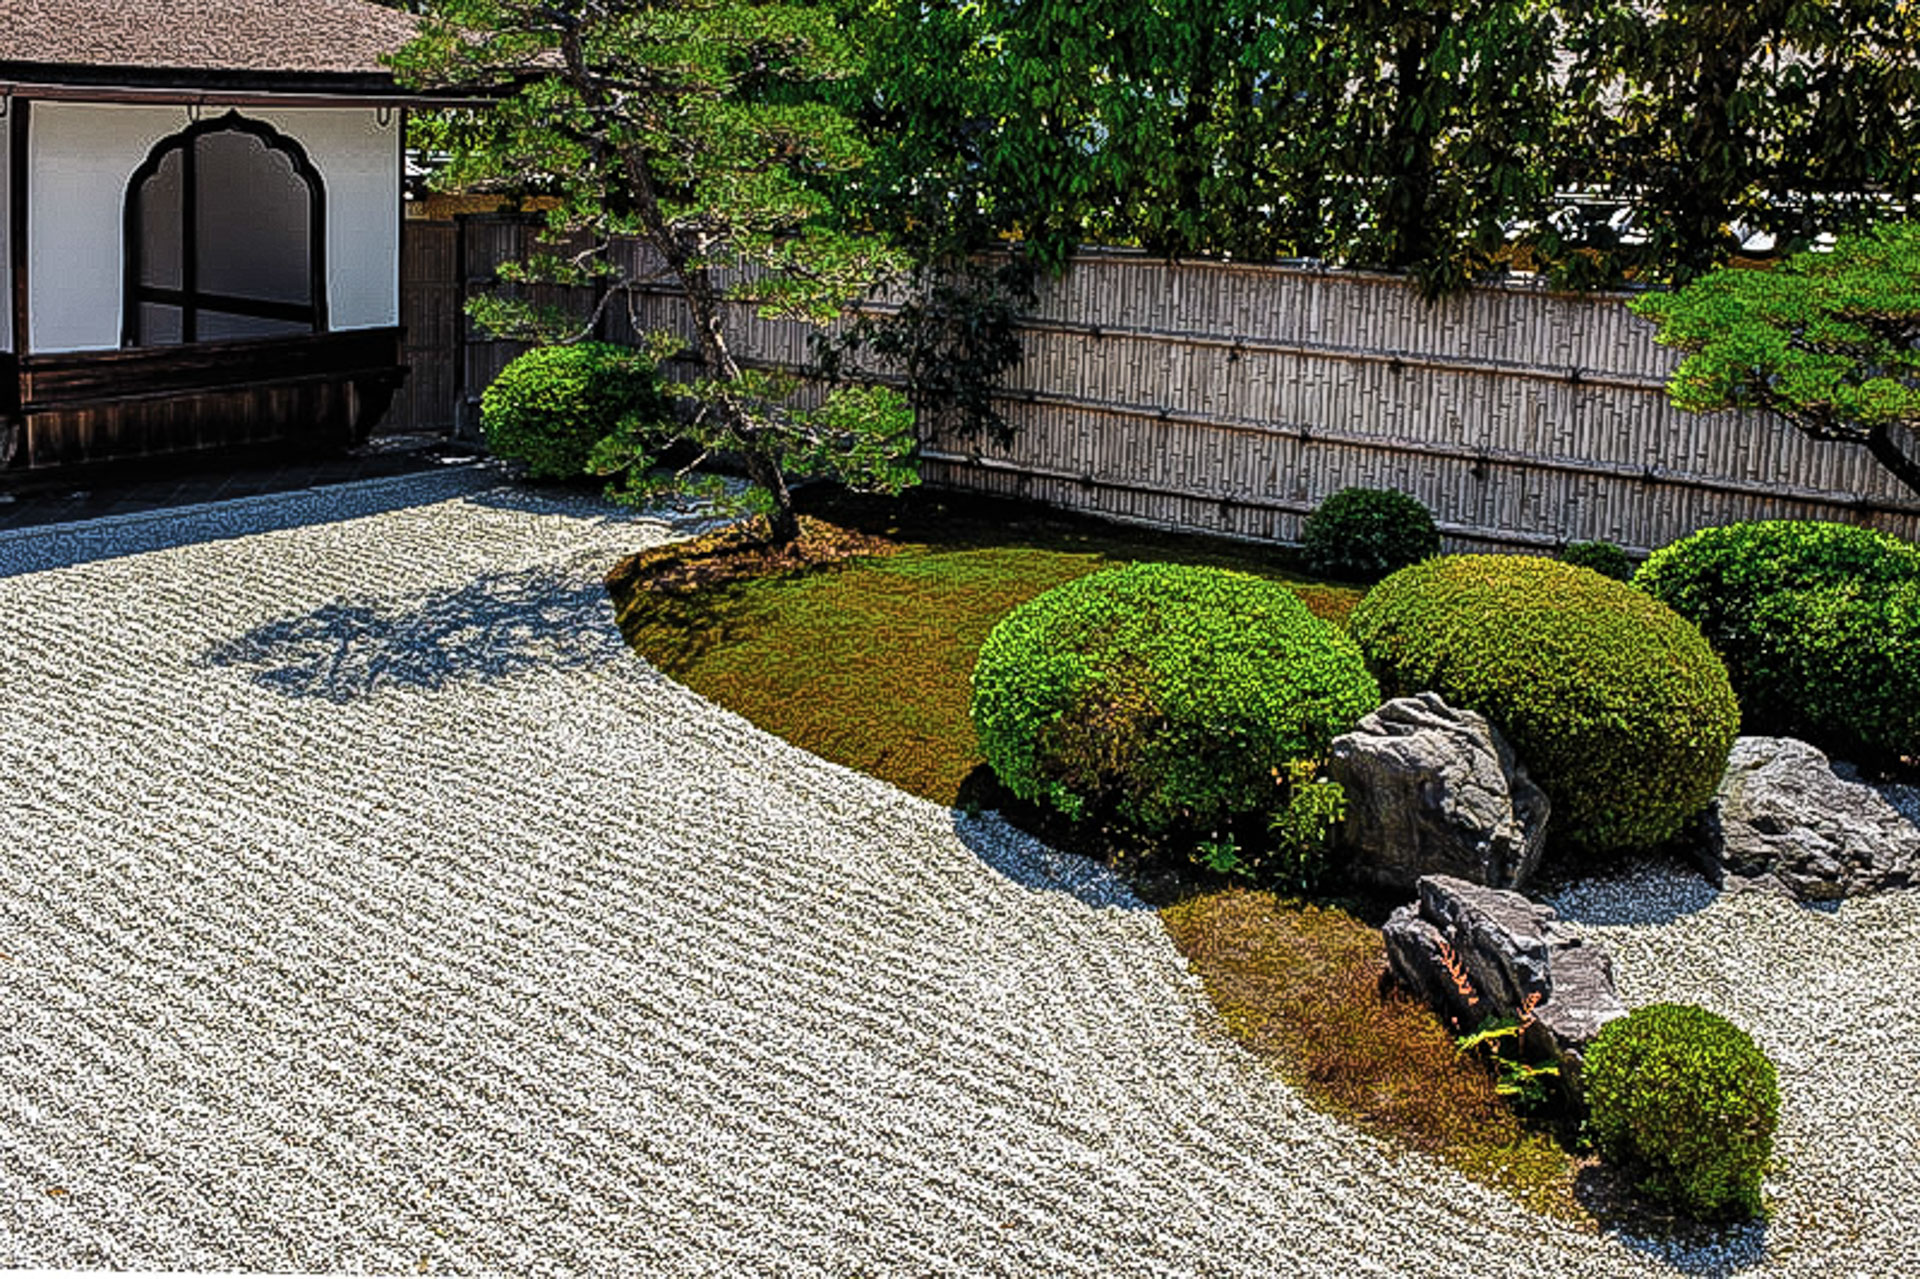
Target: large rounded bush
1691,1099
1819,625
1361,535
554,403
1162,697
1615,703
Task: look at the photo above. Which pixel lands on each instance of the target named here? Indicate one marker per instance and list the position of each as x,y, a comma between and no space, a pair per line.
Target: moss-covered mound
1819,625
1162,697
1615,702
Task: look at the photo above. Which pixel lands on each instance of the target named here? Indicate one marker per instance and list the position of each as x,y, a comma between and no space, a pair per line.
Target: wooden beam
19,192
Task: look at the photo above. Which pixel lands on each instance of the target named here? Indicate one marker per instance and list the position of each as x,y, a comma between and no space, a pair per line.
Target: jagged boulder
1435,790
1476,953
1783,820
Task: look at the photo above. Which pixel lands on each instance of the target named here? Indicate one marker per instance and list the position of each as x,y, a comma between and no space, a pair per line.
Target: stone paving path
366,906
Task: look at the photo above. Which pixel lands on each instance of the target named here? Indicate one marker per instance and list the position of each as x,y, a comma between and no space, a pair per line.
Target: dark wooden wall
88,408
432,298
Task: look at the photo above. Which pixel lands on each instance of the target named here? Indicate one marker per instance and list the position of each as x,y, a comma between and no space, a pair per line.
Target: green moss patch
857,644
1303,986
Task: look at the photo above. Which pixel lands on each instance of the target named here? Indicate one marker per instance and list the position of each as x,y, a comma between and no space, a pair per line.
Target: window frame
189,299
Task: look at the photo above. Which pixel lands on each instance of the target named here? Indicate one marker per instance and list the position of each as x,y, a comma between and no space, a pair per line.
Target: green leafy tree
1788,117
1402,135
1828,340
698,128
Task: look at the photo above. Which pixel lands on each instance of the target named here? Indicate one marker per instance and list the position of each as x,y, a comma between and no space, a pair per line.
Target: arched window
225,238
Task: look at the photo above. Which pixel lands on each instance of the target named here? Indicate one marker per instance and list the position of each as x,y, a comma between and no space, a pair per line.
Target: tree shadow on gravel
1711,1251
494,627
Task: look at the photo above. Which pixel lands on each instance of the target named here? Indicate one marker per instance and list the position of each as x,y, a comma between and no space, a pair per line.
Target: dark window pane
221,326
159,325
160,225
255,217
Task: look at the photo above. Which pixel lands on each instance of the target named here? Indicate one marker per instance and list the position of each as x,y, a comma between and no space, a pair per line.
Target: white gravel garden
366,905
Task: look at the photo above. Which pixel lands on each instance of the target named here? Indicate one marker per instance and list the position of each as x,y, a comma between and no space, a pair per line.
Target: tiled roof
304,37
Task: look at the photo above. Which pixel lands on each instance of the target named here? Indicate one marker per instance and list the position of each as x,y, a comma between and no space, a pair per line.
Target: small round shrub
1162,698
1690,1098
554,403
1819,625
1602,557
1615,703
1361,535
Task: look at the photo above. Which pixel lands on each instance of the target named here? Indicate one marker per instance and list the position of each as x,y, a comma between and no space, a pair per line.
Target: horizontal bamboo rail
1232,398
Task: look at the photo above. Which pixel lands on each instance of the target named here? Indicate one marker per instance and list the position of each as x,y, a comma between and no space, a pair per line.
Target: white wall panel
82,156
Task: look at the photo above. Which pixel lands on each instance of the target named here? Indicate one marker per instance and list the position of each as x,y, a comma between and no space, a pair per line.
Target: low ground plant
1163,699
553,404
1602,557
1362,534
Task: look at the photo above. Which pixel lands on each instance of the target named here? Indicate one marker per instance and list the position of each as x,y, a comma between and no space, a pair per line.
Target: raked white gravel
366,906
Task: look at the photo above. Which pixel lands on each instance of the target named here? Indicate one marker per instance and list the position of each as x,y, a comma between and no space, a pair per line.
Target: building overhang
51,82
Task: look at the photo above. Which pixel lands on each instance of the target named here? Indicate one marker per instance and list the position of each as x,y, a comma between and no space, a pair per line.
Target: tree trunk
1887,451
703,301
1406,209
783,523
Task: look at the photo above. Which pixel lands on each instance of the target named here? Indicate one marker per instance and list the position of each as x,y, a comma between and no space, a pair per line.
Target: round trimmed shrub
1615,702
1162,697
1602,557
1361,535
1689,1097
1819,625
554,403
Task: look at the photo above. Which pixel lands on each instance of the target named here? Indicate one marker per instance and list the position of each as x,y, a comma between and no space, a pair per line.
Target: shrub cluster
1162,698
554,403
1615,703
1690,1098
1819,625
1602,557
1361,535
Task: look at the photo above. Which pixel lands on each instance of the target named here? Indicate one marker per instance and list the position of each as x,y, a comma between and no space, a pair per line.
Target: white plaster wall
82,156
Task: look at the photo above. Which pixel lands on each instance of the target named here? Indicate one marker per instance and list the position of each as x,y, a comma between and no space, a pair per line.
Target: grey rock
1434,790
1784,820
1475,953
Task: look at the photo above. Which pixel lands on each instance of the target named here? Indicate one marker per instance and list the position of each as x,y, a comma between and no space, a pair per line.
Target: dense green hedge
1361,535
1819,625
1614,702
554,403
1602,557
1162,697
1688,1097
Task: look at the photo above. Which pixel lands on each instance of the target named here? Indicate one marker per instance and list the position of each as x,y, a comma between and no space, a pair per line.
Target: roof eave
195,86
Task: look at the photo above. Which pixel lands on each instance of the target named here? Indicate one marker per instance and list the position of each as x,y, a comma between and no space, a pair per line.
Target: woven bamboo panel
1232,399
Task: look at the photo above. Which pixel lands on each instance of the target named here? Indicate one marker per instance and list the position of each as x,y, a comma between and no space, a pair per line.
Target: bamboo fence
1232,399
